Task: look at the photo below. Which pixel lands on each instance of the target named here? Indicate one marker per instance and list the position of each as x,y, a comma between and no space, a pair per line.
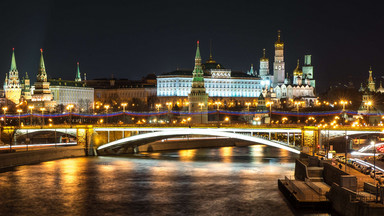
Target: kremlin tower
12,82
198,98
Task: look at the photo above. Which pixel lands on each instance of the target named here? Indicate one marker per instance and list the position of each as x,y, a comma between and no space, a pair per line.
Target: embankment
8,160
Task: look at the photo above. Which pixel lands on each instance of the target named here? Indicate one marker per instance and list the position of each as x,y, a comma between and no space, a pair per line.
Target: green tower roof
198,51
78,76
42,65
13,62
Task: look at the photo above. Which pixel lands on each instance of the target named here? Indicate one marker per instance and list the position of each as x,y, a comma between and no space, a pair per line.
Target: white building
70,92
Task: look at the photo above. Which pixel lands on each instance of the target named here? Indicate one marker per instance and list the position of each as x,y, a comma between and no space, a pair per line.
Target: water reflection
187,154
226,154
229,180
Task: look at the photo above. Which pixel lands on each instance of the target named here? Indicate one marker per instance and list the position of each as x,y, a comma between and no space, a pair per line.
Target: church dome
264,59
298,71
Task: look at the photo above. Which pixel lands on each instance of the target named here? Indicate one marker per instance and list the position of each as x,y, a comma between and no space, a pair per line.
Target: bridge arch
137,140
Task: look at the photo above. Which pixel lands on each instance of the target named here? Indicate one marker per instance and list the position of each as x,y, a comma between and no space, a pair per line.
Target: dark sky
131,39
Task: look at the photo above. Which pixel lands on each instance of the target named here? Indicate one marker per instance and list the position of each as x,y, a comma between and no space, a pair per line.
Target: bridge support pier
288,138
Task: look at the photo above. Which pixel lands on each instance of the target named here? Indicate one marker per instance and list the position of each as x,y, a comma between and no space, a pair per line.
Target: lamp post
368,104
106,112
169,105
31,108
69,108
342,102
124,105
5,118
270,103
297,103
218,103
19,111
42,116
158,107
247,104
201,112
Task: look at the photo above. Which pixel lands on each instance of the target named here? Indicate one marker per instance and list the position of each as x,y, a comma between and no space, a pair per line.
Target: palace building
234,87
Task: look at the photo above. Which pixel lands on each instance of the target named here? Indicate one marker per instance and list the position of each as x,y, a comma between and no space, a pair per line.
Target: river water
211,181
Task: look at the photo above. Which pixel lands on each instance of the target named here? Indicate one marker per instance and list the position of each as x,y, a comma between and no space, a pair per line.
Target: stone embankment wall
8,160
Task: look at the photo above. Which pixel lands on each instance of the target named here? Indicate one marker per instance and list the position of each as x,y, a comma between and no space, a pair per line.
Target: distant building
76,92
116,91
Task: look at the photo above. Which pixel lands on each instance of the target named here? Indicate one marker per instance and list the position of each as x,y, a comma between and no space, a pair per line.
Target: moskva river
212,181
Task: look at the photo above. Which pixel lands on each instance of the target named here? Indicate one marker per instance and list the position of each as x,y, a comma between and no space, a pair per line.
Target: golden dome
264,58
298,71
279,43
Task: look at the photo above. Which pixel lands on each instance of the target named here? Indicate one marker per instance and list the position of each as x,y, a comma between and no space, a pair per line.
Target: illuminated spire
13,62
42,65
263,58
78,76
370,79
198,52
279,42
42,74
198,74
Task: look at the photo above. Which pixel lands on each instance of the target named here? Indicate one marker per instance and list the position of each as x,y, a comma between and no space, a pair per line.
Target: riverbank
9,160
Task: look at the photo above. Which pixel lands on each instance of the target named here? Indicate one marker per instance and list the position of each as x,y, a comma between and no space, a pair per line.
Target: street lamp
31,108
247,104
270,103
5,119
169,105
218,103
368,104
201,111
106,111
297,103
42,116
124,105
158,107
69,108
19,111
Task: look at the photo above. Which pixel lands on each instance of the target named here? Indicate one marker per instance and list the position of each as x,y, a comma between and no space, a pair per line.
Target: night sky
131,39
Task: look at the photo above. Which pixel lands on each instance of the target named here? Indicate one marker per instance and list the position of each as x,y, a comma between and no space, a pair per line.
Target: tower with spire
42,96
198,98
278,64
78,76
371,82
12,86
264,65
251,71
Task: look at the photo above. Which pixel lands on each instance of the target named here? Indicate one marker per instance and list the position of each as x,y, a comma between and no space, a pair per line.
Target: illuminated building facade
76,92
229,86
12,86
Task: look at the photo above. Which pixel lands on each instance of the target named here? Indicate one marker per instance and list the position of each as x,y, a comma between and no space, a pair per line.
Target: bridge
126,138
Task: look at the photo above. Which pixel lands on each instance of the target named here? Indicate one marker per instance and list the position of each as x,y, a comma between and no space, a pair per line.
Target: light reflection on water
225,181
